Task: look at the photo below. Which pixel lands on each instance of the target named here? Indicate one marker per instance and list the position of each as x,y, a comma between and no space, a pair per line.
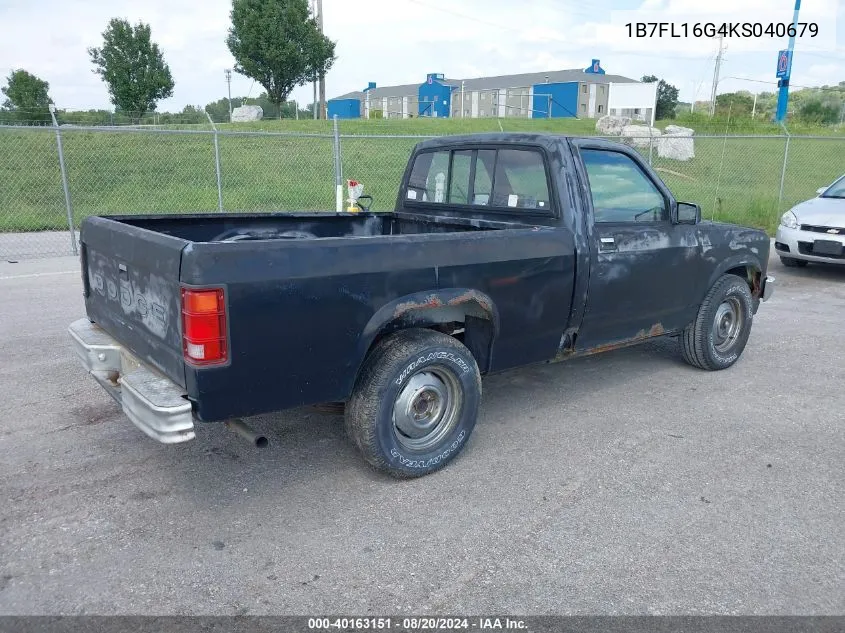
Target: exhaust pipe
253,437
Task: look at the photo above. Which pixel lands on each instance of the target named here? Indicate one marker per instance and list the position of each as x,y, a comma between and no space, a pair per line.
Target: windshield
836,190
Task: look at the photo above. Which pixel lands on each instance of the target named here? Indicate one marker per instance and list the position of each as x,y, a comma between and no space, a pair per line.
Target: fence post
338,167
217,165
650,146
68,205
783,171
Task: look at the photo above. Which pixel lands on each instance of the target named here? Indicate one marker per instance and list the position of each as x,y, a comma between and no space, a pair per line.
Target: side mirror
821,190
688,213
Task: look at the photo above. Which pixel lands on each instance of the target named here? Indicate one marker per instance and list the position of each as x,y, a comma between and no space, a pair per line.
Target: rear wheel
718,335
791,262
415,403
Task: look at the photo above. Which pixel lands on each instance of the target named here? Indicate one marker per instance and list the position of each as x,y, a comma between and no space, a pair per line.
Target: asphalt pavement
627,483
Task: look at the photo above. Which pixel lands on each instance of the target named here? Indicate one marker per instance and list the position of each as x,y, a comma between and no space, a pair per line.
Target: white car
814,231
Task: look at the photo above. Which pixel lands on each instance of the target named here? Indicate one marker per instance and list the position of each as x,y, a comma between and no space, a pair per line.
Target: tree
737,104
667,97
819,111
278,43
133,67
27,97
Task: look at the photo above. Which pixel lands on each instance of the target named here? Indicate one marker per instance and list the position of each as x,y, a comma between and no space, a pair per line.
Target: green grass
734,179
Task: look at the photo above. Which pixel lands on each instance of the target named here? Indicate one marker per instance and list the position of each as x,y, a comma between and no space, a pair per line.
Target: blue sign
784,64
595,68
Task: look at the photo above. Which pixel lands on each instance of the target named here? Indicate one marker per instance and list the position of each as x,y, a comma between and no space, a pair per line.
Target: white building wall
642,97
591,104
404,107
475,98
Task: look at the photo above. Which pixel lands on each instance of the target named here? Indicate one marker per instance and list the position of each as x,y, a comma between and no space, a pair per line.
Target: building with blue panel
581,93
435,96
558,100
344,108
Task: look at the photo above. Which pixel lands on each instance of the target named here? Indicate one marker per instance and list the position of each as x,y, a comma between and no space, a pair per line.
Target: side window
621,191
428,177
459,184
520,180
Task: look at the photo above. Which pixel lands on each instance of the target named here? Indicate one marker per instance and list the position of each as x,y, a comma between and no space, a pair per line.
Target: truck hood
821,212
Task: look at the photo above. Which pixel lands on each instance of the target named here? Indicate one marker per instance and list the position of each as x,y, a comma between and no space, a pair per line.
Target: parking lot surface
627,483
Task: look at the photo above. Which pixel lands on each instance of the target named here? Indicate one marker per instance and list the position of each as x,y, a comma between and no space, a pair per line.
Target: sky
399,41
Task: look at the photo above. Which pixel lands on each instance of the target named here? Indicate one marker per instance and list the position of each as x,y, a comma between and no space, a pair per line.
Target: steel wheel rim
727,324
427,408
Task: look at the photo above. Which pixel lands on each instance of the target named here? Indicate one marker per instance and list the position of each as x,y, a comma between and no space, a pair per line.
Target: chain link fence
749,180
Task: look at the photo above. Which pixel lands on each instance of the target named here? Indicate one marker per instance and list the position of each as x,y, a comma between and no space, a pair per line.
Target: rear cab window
495,179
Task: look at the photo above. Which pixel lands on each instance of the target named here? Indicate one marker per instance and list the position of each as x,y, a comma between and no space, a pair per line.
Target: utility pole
716,75
783,93
322,77
314,101
228,74
754,109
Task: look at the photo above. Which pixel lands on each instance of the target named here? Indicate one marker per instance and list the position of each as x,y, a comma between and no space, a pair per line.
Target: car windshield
836,190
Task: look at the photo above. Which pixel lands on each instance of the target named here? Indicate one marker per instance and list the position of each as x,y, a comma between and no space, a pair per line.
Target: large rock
247,113
677,143
639,135
612,125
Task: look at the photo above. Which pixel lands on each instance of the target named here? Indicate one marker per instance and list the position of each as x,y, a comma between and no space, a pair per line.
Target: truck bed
341,277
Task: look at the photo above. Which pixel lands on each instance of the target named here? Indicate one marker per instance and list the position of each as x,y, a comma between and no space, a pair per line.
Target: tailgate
132,290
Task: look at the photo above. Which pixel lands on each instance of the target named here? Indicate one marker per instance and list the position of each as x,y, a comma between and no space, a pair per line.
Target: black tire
791,262
436,368
702,342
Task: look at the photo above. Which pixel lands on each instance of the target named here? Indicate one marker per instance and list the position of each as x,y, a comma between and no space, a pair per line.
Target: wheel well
469,322
751,274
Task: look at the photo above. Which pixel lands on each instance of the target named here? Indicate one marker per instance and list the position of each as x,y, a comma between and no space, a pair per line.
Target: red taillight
204,326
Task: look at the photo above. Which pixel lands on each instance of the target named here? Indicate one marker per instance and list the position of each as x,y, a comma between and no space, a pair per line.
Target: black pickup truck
503,250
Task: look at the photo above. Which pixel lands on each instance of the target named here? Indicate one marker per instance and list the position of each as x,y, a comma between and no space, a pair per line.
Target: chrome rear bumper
154,403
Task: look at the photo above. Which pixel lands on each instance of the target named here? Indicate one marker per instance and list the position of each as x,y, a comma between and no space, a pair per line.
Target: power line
775,83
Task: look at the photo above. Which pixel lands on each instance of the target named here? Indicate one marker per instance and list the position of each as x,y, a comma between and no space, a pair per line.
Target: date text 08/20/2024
416,623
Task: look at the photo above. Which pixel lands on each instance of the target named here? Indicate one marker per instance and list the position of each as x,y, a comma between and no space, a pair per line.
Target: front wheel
718,335
415,403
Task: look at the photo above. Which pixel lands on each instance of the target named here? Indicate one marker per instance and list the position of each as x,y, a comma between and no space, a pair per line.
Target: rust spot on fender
432,301
755,285
472,295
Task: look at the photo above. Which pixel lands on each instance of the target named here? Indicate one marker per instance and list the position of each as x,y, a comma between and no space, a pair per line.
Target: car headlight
789,220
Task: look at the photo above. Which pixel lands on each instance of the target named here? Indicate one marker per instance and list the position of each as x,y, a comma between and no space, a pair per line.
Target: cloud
390,42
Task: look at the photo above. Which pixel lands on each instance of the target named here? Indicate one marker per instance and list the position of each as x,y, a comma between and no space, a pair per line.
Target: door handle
607,244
